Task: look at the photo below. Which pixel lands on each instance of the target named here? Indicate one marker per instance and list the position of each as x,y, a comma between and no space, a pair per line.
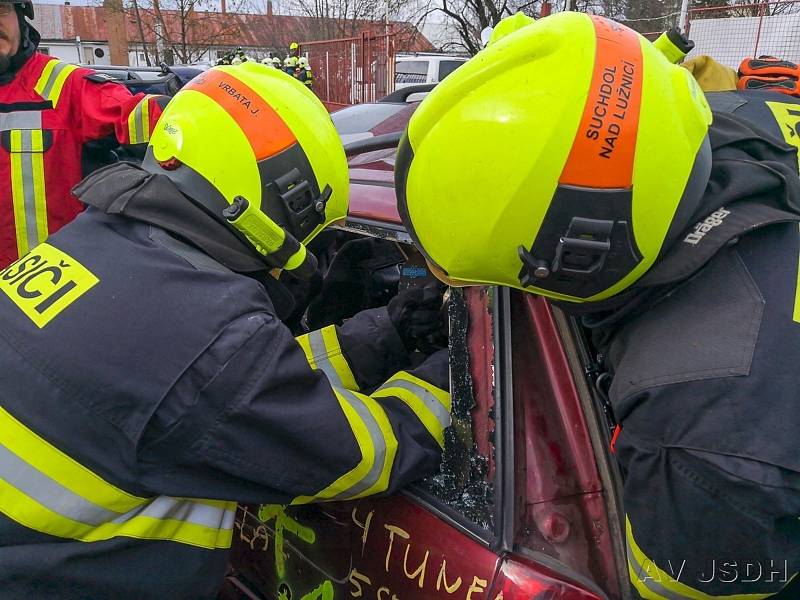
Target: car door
436,540
568,491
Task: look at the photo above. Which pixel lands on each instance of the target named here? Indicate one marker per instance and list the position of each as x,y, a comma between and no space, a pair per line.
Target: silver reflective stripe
378,443
26,119
431,402
137,121
28,189
26,141
66,503
650,583
179,509
51,81
49,493
320,355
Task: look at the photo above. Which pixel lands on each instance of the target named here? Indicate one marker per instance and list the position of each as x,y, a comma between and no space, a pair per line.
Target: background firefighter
50,110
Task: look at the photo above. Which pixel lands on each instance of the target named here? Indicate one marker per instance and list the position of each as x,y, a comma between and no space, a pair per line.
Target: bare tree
330,19
183,31
469,17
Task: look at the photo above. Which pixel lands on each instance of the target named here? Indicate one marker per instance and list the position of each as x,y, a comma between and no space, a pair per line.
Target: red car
526,504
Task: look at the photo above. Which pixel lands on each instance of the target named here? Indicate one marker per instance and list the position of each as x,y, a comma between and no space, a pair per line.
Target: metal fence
728,32
352,70
732,33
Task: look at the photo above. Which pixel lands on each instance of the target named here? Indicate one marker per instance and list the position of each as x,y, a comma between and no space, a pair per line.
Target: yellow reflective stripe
306,347
45,490
378,413
45,77
653,583
37,140
796,313
323,352
16,140
58,86
145,104
638,583
337,359
51,81
18,194
30,513
430,404
132,125
39,190
357,473
377,444
62,469
139,121
28,188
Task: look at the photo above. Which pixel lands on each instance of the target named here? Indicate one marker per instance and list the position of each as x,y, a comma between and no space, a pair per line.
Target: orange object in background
768,73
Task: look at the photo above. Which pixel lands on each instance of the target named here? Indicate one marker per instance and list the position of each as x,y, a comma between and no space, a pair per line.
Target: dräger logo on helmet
703,227
236,95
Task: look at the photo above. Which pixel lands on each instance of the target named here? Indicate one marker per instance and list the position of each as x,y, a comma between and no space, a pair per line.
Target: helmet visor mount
581,256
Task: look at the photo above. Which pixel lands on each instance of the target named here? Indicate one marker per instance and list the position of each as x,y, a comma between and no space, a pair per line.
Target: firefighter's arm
108,108
253,422
360,354
375,343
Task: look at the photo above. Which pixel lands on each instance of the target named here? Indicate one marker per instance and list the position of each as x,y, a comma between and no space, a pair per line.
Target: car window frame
501,536
583,369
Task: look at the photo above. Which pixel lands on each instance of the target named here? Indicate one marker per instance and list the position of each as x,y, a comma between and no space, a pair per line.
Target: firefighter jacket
705,387
50,109
307,77
146,388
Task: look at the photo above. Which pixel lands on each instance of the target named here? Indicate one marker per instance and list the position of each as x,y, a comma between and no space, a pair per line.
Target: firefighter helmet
26,6
258,151
569,189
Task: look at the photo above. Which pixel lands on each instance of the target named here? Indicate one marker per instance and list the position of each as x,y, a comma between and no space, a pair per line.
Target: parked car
166,80
424,68
526,504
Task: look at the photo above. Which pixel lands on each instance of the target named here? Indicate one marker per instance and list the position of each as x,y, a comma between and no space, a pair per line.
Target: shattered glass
463,482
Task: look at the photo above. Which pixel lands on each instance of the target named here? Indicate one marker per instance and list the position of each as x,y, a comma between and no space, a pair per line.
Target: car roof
419,55
372,191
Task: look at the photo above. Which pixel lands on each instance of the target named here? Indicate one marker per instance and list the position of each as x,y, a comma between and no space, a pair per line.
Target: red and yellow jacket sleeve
107,108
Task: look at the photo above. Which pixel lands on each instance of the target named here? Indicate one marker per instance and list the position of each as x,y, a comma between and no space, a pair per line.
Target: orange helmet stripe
604,147
267,133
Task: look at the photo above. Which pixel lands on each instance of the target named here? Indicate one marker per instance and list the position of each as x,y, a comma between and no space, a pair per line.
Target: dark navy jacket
145,388
706,388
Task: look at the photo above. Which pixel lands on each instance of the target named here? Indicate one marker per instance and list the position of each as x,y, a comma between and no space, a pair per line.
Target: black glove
420,318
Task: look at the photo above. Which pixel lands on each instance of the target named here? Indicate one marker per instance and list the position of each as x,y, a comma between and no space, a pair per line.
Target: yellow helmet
559,160
258,151
509,25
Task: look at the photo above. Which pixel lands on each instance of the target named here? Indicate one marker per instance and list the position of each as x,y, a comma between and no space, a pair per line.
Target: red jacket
47,113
